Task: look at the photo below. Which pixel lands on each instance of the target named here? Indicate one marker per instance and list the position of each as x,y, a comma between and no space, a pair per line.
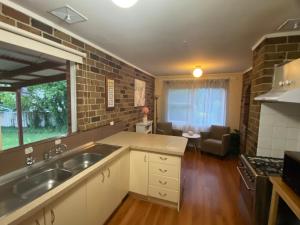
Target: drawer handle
163,171
103,177
162,195
37,222
163,158
108,175
52,216
163,183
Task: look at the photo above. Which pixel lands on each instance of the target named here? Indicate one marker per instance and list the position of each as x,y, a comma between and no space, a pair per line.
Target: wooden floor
211,197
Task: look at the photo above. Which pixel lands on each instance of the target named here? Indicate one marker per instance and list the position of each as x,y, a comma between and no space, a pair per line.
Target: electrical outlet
58,142
111,123
28,150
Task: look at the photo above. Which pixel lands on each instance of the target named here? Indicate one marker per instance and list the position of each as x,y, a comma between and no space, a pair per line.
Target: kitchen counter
127,140
170,145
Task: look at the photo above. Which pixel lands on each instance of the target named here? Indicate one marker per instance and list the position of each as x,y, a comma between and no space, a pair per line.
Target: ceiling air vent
290,25
69,15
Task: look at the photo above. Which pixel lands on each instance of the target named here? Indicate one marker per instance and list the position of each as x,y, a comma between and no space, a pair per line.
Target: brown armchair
216,141
166,128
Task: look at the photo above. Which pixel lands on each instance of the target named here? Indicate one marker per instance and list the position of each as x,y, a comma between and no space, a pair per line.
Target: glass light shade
125,3
197,72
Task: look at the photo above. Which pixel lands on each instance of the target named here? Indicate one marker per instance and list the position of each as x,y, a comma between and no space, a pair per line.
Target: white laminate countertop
148,142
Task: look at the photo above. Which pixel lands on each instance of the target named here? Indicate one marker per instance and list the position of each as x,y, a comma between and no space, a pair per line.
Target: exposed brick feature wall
91,109
270,52
245,106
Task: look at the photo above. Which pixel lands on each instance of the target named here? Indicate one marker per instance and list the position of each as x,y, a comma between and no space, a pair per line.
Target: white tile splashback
279,129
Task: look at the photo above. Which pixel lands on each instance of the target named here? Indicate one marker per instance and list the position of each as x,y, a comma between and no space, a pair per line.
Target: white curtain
196,104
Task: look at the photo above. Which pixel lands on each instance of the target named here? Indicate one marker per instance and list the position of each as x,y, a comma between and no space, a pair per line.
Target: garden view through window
33,98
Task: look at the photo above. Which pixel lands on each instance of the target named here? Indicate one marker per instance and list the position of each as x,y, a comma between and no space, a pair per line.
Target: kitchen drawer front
172,160
165,194
164,170
163,182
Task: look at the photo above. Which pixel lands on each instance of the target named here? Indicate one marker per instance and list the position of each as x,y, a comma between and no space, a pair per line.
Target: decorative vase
145,119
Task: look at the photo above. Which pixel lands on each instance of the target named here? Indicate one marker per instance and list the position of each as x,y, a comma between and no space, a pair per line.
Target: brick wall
245,106
270,52
91,109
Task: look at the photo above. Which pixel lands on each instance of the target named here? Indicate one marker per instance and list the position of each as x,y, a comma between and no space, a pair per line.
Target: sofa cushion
213,146
216,132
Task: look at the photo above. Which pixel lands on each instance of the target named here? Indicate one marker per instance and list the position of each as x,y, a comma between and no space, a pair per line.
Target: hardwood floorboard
211,197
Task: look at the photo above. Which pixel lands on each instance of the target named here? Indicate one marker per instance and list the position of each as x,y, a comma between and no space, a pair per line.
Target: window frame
188,107
70,78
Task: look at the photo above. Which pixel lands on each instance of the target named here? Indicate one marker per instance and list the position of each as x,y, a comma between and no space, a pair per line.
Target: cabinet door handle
103,177
52,216
163,171
37,222
162,195
163,158
163,182
108,175
145,158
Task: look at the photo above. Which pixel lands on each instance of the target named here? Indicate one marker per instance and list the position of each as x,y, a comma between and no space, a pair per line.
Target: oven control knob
288,82
281,83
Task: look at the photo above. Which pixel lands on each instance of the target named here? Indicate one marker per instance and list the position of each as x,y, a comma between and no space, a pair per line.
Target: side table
192,139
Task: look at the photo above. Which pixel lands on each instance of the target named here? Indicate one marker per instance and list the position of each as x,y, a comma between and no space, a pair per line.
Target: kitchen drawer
160,158
164,170
163,182
165,194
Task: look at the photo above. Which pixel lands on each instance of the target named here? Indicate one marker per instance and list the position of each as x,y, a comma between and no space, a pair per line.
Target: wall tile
285,129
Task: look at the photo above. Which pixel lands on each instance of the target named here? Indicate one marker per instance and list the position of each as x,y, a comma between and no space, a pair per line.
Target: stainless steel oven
255,186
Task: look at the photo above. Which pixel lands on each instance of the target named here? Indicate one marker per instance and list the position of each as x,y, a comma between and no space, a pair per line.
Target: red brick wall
270,52
91,77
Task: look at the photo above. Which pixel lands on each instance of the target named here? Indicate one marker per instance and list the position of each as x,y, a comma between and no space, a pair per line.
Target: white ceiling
170,37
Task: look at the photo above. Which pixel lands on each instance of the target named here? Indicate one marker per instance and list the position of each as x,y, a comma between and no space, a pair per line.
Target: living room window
196,104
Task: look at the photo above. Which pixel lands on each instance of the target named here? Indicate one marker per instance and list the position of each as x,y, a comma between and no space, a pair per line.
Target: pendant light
198,72
125,3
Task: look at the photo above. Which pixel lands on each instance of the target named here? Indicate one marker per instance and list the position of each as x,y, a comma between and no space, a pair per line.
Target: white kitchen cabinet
68,209
36,219
112,182
96,191
125,170
139,172
164,177
103,193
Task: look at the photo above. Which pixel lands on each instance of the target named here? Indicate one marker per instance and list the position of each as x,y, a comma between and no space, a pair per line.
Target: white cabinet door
36,219
113,195
96,197
139,172
103,193
68,209
124,173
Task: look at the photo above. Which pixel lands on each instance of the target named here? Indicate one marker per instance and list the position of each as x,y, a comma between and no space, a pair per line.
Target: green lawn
10,135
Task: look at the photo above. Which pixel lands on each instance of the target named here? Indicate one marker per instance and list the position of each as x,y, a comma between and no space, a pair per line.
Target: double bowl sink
38,184
42,179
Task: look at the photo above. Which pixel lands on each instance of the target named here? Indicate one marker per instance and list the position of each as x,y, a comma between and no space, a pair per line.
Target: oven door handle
239,170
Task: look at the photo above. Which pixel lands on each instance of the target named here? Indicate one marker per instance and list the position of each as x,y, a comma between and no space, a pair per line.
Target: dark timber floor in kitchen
211,197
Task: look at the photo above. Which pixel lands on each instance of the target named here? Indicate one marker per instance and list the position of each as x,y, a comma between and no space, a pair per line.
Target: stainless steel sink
37,184
26,184
81,162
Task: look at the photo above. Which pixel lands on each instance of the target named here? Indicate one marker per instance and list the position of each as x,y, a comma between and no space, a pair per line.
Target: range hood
286,84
